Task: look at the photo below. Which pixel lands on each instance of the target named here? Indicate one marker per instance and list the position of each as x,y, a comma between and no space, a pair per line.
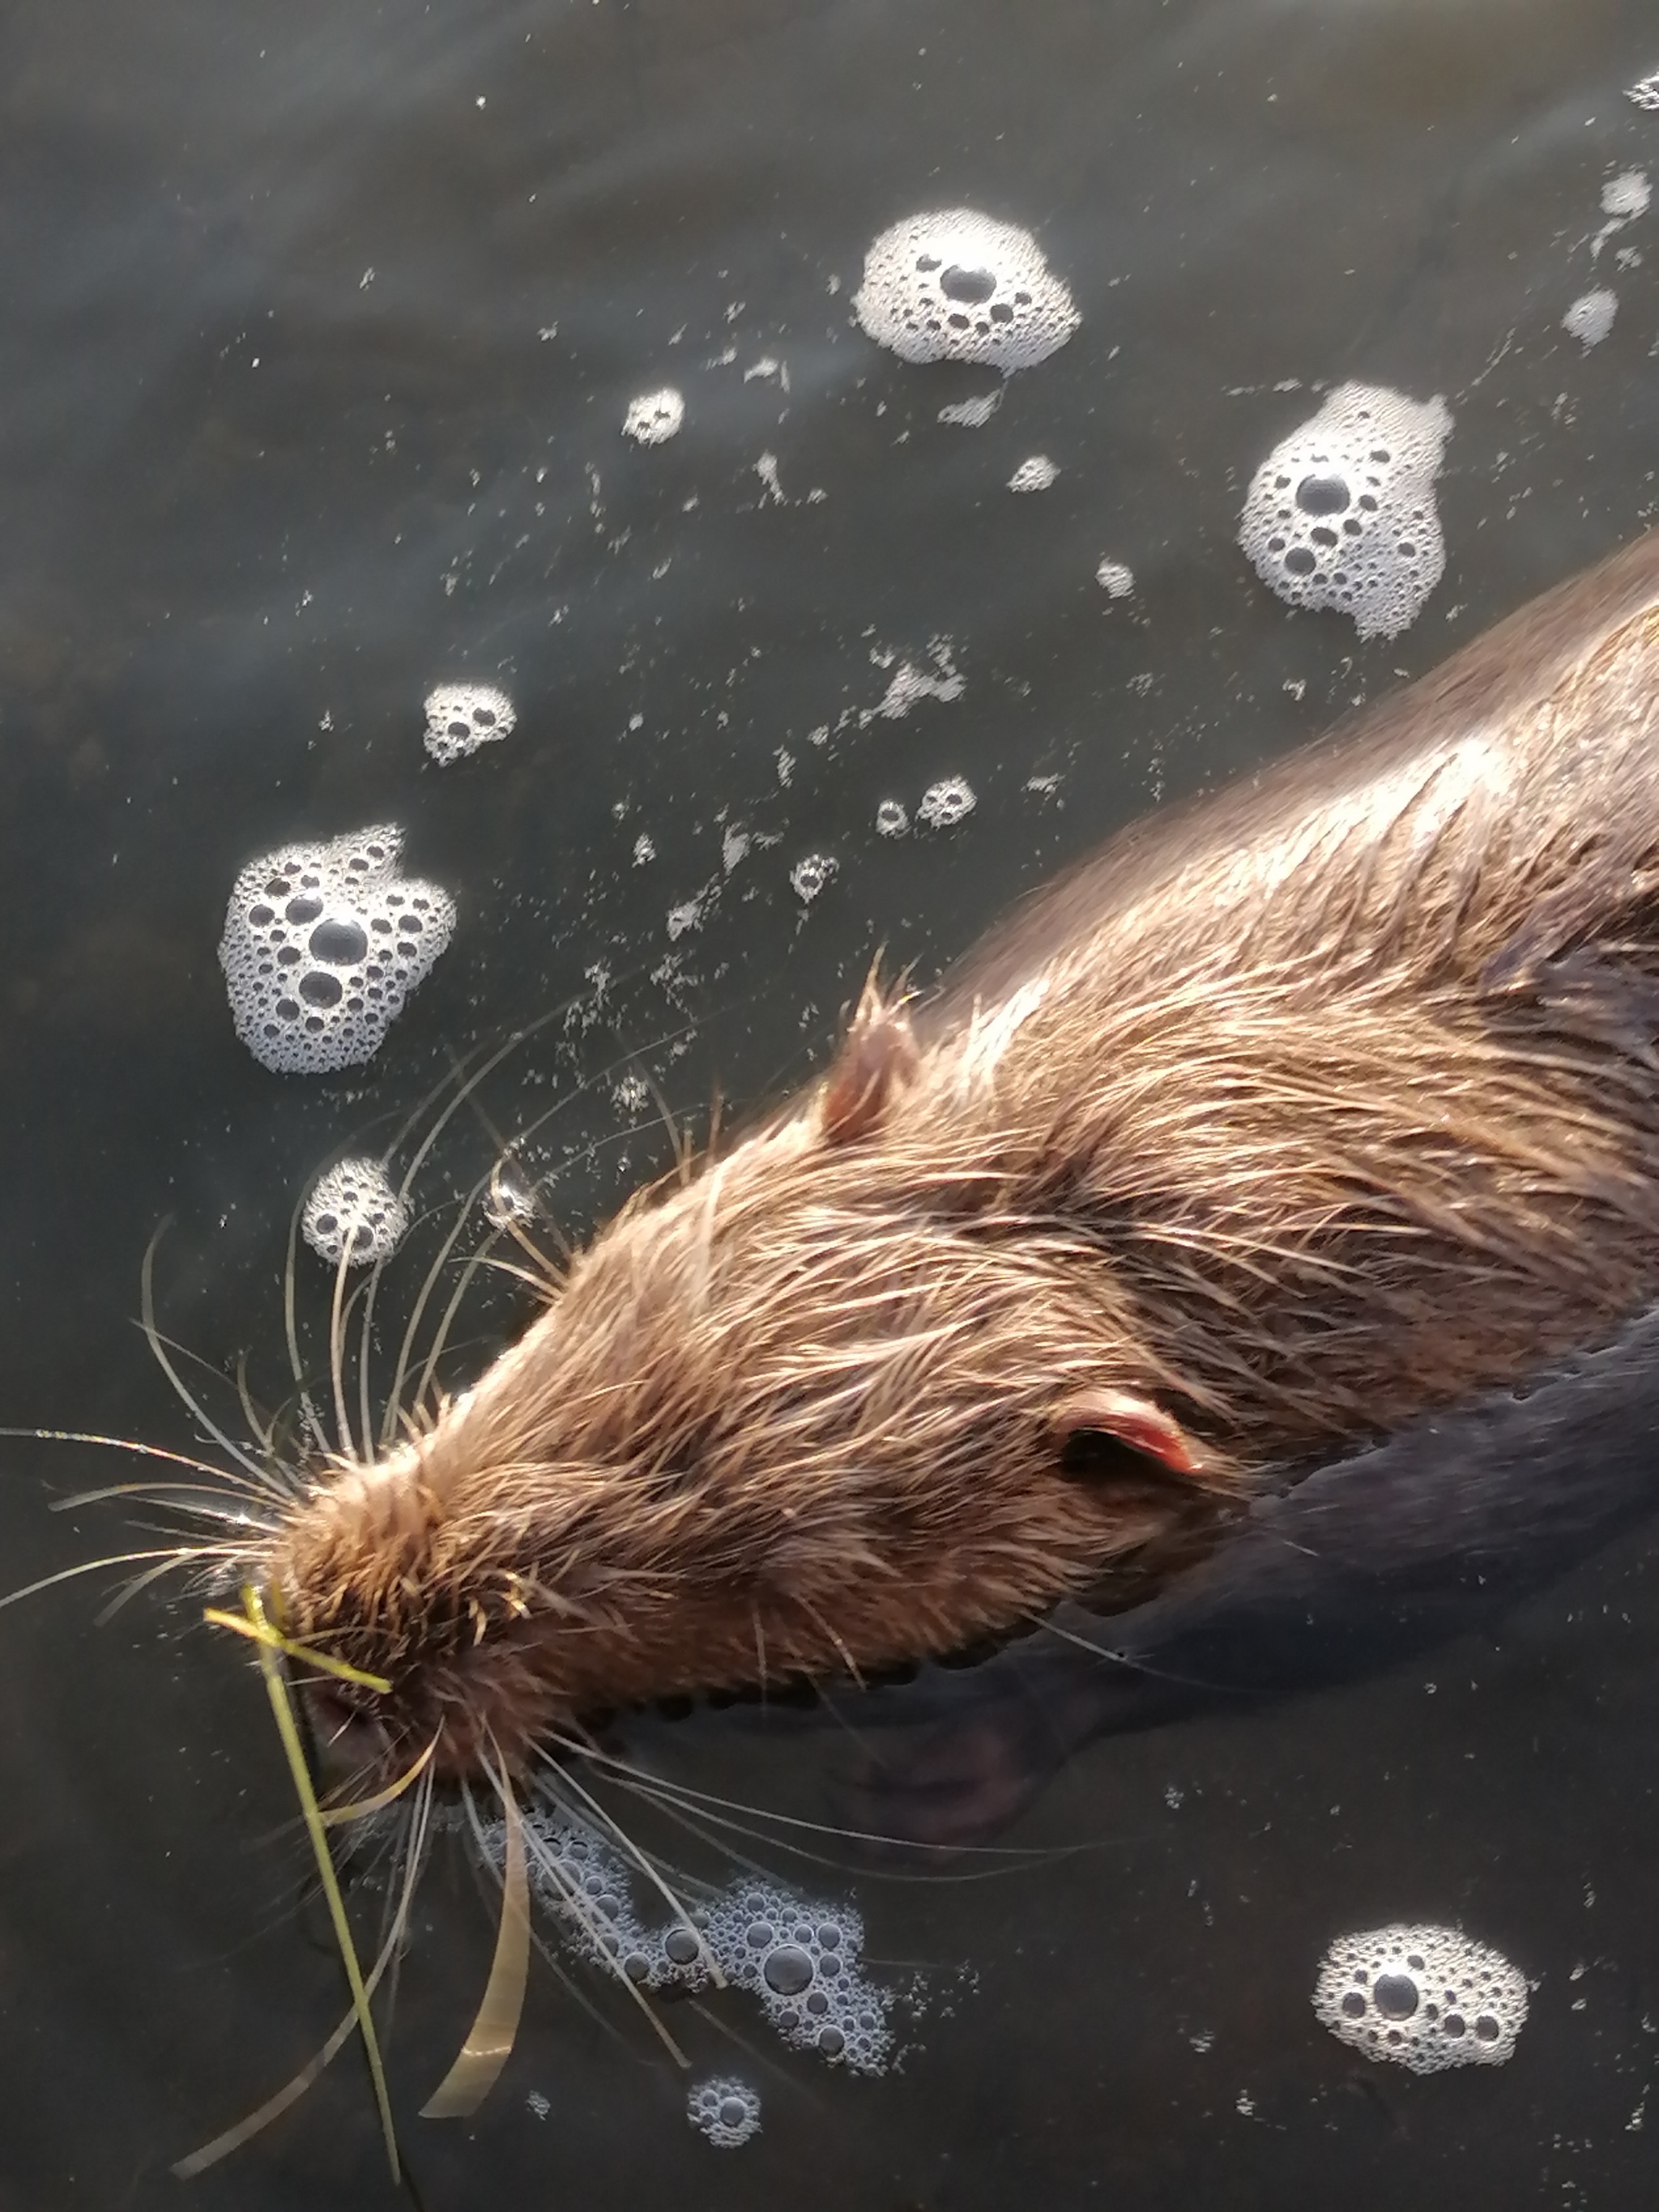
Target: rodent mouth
351,1745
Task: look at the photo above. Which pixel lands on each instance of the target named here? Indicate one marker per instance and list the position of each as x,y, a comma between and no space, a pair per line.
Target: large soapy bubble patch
352,1212
322,946
955,285
800,1958
461,717
1426,1998
1340,516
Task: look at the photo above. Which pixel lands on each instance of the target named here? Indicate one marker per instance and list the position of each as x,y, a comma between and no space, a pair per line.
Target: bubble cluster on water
947,802
813,875
654,416
1425,1998
1340,516
803,1961
955,285
891,820
1627,195
801,1958
1590,317
461,717
353,1211
1116,581
973,414
322,946
1644,93
1037,473
728,2111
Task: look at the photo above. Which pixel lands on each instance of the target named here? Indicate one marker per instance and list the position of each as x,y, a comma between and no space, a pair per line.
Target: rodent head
829,1406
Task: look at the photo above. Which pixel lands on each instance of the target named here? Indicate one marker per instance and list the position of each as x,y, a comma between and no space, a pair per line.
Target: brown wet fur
1289,1114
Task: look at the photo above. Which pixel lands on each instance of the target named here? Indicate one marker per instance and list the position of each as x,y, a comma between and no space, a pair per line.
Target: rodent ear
1124,1419
880,1050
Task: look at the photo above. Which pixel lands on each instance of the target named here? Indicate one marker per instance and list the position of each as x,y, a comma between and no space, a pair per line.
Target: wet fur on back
1289,1116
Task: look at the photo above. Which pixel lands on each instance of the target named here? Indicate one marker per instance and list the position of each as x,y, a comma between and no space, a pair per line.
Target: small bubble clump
461,717
1590,317
655,416
813,875
955,285
1341,515
1116,581
1425,1998
322,946
1036,474
1644,93
943,805
728,2112
352,1212
891,820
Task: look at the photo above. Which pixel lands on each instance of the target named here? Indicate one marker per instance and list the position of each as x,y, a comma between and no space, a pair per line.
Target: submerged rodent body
1290,1115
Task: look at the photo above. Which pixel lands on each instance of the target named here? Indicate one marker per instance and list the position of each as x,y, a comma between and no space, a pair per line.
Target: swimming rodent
1292,1115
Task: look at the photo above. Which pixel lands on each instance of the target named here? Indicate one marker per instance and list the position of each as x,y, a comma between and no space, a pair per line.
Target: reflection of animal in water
1372,1557
1314,1110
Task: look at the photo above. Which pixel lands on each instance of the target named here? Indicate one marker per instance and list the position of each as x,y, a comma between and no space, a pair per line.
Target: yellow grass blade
261,1632
281,1704
186,2169
335,1816
482,2056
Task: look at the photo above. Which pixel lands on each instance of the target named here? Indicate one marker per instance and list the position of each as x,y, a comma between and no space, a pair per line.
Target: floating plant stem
282,1704
482,2056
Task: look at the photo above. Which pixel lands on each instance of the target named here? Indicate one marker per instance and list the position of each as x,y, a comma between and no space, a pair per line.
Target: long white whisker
239,1516
681,1796
147,1285
178,1554
216,1474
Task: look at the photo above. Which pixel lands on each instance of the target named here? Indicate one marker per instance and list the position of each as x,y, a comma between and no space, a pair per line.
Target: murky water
321,324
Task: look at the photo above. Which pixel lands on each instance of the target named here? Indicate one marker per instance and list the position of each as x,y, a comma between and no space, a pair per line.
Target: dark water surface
319,324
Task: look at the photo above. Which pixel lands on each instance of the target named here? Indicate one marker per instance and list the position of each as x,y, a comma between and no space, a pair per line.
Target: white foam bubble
1425,1998
1116,581
1627,195
973,414
1340,516
726,2111
461,717
891,820
909,683
1036,473
352,1210
1644,93
655,416
803,1961
1590,317
944,804
322,946
955,285
813,875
